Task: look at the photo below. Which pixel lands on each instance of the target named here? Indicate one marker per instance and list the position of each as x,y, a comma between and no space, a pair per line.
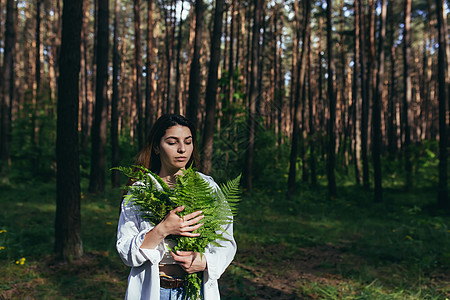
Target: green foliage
195,194
33,143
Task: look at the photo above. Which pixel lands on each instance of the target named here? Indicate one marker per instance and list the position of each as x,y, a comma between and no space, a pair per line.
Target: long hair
148,158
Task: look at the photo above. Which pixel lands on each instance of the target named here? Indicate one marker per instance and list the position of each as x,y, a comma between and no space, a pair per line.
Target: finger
189,234
192,215
177,209
184,253
193,221
191,228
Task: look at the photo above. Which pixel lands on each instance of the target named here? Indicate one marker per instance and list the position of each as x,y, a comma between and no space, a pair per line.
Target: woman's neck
170,177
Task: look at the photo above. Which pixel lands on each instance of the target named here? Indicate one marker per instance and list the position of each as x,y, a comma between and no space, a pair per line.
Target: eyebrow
176,138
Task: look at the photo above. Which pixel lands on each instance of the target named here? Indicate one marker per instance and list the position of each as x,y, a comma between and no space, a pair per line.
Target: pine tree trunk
376,110
357,98
138,70
253,94
149,79
443,199
178,94
407,97
115,179
211,89
332,104
194,75
7,84
301,70
68,243
99,128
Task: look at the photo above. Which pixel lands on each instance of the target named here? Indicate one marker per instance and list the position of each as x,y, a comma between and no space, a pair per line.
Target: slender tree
357,99
253,93
149,68
211,89
376,109
99,127
7,84
115,179
332,107
138,71
443,199
299,98
194,75
68,243
407,96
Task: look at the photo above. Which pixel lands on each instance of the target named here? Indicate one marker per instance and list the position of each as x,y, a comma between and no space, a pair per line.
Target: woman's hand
173,224
191,262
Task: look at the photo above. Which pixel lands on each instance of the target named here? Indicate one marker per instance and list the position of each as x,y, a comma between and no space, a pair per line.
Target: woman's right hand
173,224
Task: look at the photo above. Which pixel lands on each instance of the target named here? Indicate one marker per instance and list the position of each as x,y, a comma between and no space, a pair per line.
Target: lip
181,158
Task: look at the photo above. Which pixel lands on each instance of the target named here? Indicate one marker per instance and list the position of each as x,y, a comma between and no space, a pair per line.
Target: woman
156,271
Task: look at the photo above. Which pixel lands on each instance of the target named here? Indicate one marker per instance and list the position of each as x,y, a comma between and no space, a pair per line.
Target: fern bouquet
191,190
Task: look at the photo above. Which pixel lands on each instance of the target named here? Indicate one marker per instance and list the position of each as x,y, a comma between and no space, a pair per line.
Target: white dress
143,281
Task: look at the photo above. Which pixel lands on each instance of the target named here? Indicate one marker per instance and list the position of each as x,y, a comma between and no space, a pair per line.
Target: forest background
336,112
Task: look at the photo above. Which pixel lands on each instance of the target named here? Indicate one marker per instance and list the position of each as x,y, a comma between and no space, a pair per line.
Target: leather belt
167,282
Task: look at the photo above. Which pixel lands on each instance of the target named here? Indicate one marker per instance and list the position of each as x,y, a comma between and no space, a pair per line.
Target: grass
307,247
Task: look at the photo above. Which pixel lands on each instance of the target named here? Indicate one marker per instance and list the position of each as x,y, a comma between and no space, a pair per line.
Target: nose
181,148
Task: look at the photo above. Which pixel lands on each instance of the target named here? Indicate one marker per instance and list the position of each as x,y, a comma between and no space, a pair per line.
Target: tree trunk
99,128
177,97
332,104
194,75
408,93
253,94
115,179
376,110
365,101
7,84
211,89
443,199
138,70
149,82
357,98
68,243
301,70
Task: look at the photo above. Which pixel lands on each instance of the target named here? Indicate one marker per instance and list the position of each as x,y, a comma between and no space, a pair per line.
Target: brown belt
171,283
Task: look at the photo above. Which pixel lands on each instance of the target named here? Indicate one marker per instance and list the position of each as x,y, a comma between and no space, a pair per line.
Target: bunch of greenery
191,190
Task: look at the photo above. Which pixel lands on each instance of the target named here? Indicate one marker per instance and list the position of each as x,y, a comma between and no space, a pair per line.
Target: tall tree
99,127
443,199
253,93
115,180
332,106
149,69
7,84
376,109
68,243
194,75
357,98
138,70
407,96
299,97
211,89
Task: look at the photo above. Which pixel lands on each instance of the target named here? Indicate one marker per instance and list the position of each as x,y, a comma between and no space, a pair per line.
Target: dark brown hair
147,156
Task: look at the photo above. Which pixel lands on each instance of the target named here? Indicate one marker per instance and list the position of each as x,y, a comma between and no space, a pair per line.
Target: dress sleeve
130,235
218,258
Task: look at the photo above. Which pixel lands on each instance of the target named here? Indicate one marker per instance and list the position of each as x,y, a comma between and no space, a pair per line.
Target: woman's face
175,149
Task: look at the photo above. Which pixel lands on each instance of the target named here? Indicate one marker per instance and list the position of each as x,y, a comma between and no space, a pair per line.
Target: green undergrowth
304,247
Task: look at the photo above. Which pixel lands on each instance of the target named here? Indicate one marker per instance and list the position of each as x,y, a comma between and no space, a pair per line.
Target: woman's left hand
191,262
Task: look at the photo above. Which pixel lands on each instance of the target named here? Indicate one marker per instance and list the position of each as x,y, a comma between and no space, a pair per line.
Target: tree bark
332,104
211,89
149,67
7,84
443,199
301,71
138,70
68,244
115,179
357,98
253,94
407,94
99,128
376,110
194,75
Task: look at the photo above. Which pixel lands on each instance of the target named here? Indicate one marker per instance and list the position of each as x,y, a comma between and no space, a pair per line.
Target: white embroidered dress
143,281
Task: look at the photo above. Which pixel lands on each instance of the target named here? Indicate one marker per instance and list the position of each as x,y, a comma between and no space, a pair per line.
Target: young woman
157,273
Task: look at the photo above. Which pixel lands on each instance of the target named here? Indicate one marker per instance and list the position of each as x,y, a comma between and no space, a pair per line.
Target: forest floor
309,247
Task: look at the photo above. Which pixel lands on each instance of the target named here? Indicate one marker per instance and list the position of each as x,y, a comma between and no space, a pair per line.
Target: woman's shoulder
207,178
